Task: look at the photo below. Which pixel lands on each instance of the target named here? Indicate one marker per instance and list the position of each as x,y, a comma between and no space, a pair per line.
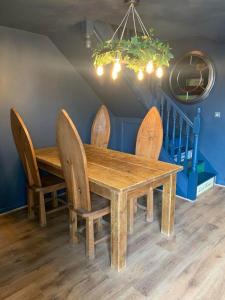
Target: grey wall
37,80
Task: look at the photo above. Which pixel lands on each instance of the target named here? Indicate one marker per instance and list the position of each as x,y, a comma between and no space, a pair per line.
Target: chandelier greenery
141,53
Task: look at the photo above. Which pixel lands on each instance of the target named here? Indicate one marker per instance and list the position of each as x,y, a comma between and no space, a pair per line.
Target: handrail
179,111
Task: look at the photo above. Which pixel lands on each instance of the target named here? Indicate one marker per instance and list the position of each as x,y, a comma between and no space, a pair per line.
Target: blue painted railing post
193,176
167,127
196,130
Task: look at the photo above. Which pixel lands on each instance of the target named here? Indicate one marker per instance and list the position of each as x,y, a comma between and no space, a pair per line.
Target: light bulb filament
140,75
100,70
159,72
149,67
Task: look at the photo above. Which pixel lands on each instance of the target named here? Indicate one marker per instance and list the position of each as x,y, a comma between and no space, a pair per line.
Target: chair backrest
100,131
25,149
150,135
74,162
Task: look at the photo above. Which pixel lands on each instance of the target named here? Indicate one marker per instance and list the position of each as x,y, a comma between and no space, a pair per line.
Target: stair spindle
167,126
196,130
186,147
161,107
173,133
180,139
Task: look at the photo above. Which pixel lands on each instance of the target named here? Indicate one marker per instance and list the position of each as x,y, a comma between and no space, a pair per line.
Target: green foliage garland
134,53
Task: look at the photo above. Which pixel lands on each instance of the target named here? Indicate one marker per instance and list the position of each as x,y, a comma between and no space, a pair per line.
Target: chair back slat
74,162
150,135
100,131
25,149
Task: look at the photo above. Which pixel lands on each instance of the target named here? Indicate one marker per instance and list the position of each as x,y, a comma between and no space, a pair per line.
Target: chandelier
142,53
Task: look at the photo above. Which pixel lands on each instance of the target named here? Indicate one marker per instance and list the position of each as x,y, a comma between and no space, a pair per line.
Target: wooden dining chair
36,185
74,164
100,131
148,145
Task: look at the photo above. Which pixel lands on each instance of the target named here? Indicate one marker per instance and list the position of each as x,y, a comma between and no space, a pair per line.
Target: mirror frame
211,79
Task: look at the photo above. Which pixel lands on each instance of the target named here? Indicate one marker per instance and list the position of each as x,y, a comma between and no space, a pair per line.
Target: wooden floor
39,263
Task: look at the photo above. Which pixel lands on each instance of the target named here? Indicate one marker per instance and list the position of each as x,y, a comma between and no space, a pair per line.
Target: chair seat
51,183
49,179
99,207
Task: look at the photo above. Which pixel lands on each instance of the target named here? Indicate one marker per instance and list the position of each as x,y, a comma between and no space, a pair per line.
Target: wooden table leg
168,205
118,231
149,212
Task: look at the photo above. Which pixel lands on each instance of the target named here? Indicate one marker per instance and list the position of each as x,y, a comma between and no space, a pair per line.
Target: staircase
181,146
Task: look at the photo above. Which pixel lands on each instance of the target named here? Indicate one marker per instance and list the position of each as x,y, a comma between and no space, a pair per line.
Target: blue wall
212,137
37,80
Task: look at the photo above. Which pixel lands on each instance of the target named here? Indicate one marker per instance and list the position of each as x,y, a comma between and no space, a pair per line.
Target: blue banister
175,138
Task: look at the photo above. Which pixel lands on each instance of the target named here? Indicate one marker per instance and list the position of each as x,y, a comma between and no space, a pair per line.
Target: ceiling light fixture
140,53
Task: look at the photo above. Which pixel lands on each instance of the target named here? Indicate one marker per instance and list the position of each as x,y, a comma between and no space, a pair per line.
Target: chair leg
54,199
90,245
42,213
130,215
135,206
149,211
30,203
99,225
73,226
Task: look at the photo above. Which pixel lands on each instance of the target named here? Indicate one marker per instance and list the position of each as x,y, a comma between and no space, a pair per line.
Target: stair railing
181,135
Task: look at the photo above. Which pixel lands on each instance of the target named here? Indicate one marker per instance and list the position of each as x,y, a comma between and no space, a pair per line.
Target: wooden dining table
118,176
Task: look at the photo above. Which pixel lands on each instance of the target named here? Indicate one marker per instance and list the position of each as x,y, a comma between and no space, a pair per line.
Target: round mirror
192,77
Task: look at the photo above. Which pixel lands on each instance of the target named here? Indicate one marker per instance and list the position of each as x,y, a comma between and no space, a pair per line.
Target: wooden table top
115,170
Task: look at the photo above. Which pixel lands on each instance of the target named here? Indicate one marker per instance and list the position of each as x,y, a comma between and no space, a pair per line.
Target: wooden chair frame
148,145
100,131
74,166
36,185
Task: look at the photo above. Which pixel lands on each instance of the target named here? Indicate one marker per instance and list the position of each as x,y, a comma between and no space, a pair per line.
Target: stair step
205,182
200,166
189,156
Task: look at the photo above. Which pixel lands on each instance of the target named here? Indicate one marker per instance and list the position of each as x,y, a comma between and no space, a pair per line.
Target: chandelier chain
124,22
135,29
124,18
142,28
140,22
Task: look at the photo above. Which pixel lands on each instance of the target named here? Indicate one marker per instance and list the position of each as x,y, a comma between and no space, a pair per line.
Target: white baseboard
221,185
183,198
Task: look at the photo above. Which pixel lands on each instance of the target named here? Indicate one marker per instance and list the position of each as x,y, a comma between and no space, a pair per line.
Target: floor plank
40,263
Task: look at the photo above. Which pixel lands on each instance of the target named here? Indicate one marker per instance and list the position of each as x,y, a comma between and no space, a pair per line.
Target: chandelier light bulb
117,66
149,67
100,70
140,75
139,50
159,72
114,75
